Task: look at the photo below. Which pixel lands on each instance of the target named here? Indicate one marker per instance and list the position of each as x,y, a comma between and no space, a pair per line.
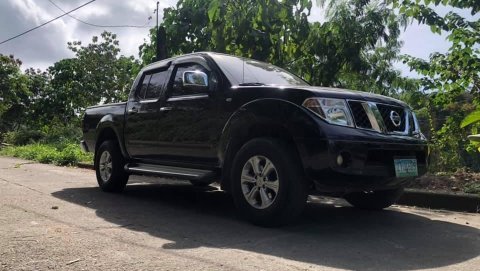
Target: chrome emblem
395,118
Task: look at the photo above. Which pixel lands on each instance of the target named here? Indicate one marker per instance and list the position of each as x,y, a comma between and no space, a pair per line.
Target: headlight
416,131
334,111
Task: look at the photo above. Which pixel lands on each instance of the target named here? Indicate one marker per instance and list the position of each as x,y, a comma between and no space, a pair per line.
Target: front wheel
267,183
375,200
109,163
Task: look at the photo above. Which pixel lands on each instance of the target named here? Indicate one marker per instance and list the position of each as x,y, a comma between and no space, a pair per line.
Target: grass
68,154
460,181
472,188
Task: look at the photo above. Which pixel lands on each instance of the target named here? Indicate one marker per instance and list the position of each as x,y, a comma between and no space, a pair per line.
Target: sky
46,45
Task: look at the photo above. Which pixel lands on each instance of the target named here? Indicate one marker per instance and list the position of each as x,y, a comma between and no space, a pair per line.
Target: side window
144,86
177,88
152,85
155,86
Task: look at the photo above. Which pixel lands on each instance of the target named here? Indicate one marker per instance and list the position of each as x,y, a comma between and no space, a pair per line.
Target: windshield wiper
252,84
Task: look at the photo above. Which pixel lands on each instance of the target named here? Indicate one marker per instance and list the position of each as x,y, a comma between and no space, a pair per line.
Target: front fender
276,115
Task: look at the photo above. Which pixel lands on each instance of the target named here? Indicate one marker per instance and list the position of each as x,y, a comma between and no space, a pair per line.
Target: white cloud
142,5
30,10
46,45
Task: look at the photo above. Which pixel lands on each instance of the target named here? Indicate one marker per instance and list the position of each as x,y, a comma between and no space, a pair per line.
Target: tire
114,179
268,208
376,200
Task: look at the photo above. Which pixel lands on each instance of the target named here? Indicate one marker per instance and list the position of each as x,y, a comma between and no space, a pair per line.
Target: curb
440,200
420,198
85,165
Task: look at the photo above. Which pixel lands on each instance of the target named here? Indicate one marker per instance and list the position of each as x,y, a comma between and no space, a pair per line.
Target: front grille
381,117
386,111
359,115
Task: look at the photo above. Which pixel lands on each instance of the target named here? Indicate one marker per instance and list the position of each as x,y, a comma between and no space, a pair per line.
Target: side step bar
169,171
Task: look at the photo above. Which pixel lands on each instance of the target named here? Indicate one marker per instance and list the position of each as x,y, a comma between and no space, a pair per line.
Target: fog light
340,160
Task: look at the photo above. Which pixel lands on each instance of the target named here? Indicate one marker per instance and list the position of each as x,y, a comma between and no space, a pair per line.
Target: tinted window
152,85
177,87
155,86
143,88
242,70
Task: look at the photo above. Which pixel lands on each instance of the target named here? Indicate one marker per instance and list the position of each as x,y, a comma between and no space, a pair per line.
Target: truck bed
115,112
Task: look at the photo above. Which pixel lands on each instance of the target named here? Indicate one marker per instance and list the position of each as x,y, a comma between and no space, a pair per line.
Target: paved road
56,218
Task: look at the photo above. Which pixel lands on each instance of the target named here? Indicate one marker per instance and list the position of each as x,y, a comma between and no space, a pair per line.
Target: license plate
406,167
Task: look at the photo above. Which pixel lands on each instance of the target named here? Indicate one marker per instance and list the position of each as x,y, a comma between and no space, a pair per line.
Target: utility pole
161,48
158,2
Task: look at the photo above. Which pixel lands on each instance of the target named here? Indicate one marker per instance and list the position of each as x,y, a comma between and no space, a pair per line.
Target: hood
352,95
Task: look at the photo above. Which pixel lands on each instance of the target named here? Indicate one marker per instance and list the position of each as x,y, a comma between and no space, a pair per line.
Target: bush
61,135
55,133
70,155
23,136
472,188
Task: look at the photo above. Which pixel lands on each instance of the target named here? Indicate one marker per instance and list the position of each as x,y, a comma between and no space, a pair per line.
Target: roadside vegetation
66,155
461,181
355,47
54,143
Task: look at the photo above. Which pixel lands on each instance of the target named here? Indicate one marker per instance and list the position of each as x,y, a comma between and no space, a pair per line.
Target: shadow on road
339,237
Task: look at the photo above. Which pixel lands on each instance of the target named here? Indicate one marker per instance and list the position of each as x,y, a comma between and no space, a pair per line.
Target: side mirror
195,79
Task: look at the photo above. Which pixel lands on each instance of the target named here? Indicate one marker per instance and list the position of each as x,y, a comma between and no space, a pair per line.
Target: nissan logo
395,118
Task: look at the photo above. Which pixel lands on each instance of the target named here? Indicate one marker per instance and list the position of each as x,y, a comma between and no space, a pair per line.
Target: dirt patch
461,181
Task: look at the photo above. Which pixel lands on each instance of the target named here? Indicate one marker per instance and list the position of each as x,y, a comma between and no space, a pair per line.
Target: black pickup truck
265,135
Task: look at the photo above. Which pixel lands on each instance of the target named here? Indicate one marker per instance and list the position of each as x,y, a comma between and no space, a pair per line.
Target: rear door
142,114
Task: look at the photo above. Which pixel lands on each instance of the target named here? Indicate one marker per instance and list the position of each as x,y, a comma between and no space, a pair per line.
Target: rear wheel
267,184
375,200
109,163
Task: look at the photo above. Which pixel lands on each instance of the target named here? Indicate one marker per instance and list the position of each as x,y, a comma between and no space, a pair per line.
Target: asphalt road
55,218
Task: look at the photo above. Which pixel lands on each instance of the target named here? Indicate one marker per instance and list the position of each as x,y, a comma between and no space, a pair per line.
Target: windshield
244,71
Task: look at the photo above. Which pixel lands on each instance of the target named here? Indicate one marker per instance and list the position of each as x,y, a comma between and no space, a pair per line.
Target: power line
97,25
36,27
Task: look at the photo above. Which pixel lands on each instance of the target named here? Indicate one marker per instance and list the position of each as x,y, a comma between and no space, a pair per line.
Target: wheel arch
107,129
272,118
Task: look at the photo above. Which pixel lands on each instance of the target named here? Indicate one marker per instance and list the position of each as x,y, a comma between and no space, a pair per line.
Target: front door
189,118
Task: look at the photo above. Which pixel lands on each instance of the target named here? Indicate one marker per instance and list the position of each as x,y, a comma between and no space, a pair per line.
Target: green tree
355,48
458,70
39,85
14,93
449,78
65,94
99,73
279,32
46,105
267,30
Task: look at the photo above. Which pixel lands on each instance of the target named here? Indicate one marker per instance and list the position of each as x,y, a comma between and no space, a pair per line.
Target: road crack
23,186
18,165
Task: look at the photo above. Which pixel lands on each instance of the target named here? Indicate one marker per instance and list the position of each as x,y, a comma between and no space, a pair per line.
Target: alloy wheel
259,182
105,166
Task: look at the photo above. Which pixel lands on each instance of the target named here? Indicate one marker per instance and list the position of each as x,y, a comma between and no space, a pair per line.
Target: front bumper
367,164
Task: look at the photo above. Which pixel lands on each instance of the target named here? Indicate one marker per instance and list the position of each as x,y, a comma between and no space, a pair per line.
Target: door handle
132,110
166,108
